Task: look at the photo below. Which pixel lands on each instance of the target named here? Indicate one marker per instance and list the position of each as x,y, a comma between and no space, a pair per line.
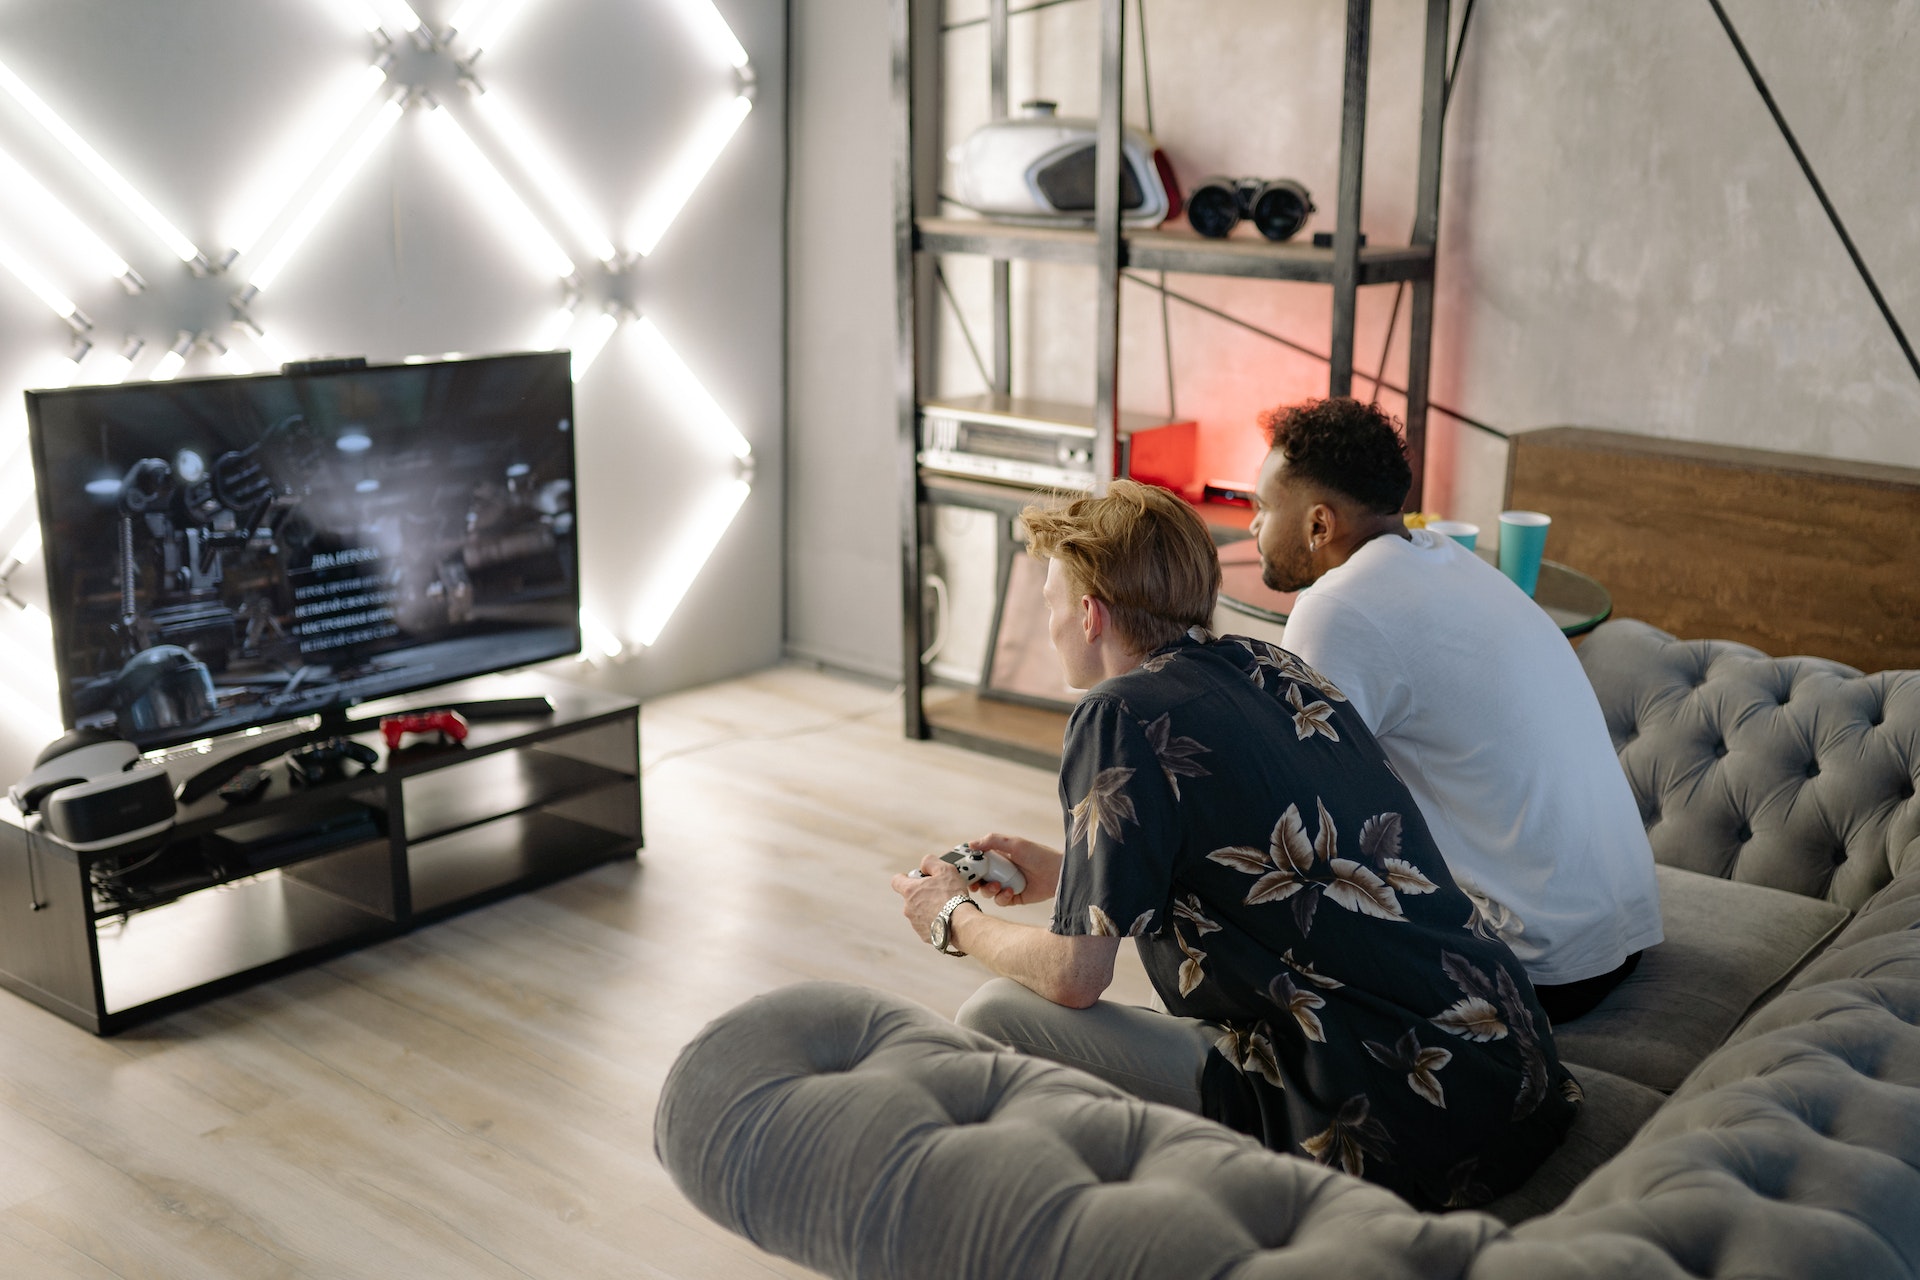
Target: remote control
975,865
504,708
245,786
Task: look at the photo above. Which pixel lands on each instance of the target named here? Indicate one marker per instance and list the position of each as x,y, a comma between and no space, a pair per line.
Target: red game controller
451,725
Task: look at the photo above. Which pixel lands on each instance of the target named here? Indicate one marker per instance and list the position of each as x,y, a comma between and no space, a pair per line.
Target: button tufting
1906,788
1813,768
1744,834
1719,750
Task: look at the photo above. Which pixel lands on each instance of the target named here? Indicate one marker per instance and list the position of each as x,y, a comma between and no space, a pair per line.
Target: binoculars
1277,209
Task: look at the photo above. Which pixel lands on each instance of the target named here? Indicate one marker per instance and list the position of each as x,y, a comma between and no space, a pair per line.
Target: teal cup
1459,530
1523,540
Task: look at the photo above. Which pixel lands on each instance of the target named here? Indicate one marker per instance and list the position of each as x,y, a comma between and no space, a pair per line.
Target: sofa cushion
1613,1111
1795,773
1728,947
864,1136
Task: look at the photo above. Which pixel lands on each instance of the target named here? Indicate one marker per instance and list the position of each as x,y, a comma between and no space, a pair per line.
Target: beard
1292,572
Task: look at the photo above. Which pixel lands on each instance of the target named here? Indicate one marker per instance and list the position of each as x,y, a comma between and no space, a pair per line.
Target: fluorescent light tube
79,236
44,289
552,333
169,235
469,16
29,544
596,636
592,342
169,365
483,23
494,194
687,557
357,13
109,369
232,360
282,177
713,32
401,13
676,187
324,196
685,389
538,162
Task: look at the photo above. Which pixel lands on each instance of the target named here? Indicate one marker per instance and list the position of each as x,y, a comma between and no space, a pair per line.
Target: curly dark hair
1346,446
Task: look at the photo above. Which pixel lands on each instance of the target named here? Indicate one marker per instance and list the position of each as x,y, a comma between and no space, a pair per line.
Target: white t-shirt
1485,713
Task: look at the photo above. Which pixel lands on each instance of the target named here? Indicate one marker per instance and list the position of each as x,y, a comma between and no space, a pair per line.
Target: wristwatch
941,932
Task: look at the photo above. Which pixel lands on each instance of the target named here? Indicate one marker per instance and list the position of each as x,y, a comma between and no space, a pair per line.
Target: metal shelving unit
922,234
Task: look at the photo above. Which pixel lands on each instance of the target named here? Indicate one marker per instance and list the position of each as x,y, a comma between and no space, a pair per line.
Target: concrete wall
842,553
189,100
1626,240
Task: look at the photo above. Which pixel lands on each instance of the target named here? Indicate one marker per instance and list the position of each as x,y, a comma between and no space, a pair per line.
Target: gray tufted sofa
1753,1092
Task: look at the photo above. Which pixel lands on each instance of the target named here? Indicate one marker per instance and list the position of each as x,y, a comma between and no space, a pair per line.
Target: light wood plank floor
476,1099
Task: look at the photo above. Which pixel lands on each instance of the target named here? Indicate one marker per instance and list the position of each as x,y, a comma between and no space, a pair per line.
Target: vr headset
93,792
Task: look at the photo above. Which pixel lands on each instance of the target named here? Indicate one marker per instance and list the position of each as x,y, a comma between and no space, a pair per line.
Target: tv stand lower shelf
235,895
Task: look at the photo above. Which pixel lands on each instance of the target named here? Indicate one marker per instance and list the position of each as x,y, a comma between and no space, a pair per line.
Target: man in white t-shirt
1477,699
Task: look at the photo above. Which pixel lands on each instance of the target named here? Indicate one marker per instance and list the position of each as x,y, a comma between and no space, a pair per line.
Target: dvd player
1045,444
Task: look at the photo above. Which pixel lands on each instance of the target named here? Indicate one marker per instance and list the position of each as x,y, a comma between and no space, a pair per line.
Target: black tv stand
238,893
209,779
336,723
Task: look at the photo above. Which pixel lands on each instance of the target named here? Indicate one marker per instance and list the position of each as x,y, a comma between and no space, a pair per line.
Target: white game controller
975,865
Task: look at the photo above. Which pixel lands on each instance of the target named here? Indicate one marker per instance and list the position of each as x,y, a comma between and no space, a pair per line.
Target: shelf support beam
1346,234
1426,230
916,137
1002,358
1107,245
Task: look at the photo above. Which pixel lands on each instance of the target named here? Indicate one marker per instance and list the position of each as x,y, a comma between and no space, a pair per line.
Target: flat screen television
229,552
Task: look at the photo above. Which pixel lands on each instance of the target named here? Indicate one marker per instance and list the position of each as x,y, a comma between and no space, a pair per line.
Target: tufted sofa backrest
1795,773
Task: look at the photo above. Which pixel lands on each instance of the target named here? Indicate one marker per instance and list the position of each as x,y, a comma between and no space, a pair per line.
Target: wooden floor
476,1100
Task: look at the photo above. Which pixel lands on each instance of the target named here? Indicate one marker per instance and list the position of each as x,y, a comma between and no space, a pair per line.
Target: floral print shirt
1228,810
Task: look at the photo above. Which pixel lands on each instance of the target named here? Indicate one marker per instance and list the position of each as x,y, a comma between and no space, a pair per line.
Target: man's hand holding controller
983,866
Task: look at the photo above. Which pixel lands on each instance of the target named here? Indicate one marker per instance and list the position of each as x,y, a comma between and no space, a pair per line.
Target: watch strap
941,934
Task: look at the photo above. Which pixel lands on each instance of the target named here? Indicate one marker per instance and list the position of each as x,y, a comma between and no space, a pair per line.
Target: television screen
228,552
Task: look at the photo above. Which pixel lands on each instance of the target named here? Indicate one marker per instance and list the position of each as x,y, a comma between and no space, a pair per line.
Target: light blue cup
1523,540
1459,530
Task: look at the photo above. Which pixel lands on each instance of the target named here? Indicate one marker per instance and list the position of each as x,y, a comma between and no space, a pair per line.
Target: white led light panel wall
193,189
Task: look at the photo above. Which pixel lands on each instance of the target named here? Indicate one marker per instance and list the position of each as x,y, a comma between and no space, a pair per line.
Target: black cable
1820,192
946,292
1304,350
34,901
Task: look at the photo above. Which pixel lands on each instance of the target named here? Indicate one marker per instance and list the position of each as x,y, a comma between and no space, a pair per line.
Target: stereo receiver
1041,444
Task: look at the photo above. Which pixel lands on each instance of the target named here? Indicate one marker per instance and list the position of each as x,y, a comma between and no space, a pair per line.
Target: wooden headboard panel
1788,553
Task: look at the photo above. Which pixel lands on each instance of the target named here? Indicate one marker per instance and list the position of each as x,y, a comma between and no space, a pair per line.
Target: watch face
938,933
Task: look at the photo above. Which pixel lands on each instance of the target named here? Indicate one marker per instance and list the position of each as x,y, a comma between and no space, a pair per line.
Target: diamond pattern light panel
292,194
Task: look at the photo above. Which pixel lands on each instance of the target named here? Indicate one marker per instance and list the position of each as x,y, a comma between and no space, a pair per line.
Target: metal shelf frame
921,234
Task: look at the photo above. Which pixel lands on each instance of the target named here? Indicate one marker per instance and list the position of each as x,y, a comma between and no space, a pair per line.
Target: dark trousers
1569,1000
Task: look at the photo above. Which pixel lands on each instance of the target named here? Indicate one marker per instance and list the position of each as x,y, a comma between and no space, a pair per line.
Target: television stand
239,893
336,724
